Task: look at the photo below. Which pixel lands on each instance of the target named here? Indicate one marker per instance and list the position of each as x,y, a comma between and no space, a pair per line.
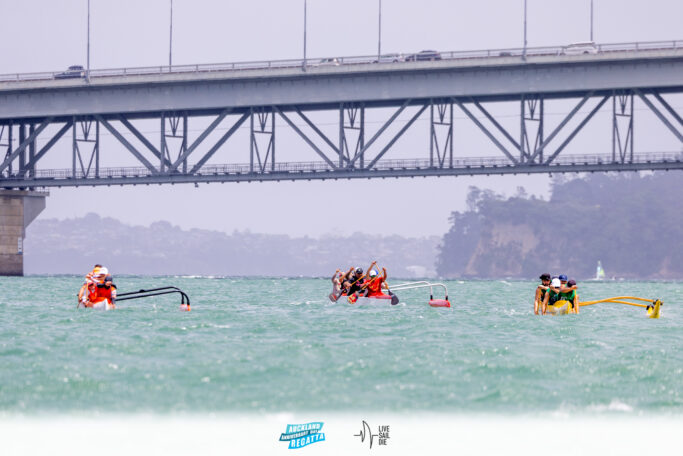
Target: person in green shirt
568,292
552,295
541,291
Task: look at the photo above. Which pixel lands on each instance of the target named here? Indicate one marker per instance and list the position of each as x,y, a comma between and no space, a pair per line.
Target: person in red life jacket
87,295
373,287
107,290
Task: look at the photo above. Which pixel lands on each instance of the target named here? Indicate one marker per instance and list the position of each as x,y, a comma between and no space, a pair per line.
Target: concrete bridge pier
18,208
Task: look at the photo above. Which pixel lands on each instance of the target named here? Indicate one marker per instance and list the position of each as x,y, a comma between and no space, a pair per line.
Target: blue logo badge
301,435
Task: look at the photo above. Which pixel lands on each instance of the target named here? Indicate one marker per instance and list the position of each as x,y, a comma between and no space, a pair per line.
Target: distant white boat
599,272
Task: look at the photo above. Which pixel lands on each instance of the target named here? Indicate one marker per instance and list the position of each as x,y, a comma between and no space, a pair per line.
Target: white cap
555,283
100,272
373,273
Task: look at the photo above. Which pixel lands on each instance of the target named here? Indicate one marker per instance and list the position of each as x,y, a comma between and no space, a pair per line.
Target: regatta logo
301,435
366,434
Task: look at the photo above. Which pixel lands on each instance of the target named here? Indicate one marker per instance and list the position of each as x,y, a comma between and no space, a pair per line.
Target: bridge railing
334,61
323,167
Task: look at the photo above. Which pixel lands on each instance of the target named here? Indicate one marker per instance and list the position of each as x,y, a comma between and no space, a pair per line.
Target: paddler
373,287
541,291
552,295
568,292
336,286
88,292
355,282
107,290
98,286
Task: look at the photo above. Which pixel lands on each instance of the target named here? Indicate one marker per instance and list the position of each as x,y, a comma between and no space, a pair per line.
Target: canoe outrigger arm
424,284
653,307
184,299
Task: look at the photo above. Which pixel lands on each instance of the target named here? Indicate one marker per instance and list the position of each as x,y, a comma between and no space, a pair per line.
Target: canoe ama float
652,308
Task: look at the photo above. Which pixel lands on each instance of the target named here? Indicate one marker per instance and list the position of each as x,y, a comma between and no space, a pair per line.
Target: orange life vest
375,286
106,293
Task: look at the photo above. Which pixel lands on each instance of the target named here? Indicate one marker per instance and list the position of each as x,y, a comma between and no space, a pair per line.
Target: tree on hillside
632,223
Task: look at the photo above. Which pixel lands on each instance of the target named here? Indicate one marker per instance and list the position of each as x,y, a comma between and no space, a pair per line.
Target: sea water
268,346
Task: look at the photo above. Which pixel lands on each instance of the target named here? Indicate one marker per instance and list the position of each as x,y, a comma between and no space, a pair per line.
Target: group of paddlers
354,283
98,289
553,290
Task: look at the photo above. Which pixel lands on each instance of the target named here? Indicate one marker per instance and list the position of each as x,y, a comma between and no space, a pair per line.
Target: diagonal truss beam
306,138
199,140
142,138
562,124
577,130
486,131
219,143
668,107
379,132
496,124
559,128
398,135
317,130
57,136
25,143
126,144
658,113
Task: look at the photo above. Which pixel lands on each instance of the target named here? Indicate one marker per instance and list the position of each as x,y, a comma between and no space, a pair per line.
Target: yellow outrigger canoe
561,307
653,308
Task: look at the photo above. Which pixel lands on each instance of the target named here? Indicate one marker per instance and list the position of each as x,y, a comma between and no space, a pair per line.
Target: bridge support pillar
18,208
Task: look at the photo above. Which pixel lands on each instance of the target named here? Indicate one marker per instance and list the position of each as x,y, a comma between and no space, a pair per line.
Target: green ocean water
271,345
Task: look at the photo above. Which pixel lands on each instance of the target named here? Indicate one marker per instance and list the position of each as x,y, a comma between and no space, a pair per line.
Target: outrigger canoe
392,299
561,307
105,305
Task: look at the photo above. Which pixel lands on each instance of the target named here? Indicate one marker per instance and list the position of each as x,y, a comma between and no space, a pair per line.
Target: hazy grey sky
51,35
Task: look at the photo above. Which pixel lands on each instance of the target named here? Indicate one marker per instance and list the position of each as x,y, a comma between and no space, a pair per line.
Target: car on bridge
74,71
332,61
421,56
584,47
389,58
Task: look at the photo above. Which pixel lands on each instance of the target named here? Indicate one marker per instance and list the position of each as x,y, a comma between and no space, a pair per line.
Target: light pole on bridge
305,11
170,40
591,21
524,49
379,33
87,72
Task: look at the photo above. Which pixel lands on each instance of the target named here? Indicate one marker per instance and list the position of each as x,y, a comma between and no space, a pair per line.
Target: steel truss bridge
254,94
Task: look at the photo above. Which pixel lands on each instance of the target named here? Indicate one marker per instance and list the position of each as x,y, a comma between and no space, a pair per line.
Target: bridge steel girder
263,165
373,85
355,173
